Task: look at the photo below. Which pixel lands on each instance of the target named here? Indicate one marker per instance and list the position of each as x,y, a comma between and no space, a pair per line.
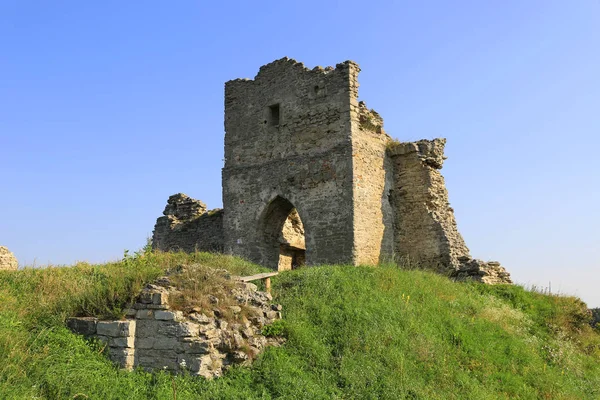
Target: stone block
272,314
125,358
116,328
130,313
196,365
212,333
168,315
160,298
144,314
196,346
247,333
166,343
146,328
145,297
144,342
140,306
200,318
239,356
167,328
151,359
188,329
127,342
83,325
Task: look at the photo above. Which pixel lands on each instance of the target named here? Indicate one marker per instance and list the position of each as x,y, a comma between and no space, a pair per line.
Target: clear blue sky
108,107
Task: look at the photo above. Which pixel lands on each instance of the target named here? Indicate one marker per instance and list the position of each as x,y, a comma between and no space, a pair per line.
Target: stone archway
284,245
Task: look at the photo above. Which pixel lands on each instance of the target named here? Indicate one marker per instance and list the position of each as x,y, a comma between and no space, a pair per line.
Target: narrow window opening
274,115
319,90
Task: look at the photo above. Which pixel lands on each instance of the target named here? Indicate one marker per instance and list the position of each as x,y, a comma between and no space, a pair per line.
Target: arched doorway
283,232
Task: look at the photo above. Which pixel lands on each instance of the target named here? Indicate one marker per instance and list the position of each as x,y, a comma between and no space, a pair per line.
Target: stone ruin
201,341
311,177
8,261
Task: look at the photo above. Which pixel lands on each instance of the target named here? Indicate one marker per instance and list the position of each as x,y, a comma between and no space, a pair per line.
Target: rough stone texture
490,272
200,344
288,145
311,177
373,219
8,261
425,228
188,226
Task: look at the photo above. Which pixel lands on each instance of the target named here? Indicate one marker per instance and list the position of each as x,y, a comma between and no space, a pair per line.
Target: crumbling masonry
7,260
311,177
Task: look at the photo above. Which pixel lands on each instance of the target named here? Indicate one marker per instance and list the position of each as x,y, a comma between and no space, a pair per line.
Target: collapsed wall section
425,228
187,226
201,342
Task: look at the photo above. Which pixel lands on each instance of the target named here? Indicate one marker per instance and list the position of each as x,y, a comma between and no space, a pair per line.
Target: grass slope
353,333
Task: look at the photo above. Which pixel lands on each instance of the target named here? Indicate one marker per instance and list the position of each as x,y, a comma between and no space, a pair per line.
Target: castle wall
155,336
373,219
425,228
301,153
186,225
298,140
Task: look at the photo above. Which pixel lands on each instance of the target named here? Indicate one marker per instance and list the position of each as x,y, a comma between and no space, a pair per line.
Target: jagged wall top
286,64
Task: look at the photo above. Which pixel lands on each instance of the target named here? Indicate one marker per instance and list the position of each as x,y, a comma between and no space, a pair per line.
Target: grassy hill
352,333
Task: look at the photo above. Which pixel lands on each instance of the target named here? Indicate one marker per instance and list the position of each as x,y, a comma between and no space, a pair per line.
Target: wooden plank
258,276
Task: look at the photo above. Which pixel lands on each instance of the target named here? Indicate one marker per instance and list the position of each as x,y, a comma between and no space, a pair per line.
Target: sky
107,108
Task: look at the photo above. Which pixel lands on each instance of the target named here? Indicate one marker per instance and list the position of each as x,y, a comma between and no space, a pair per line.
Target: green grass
353,333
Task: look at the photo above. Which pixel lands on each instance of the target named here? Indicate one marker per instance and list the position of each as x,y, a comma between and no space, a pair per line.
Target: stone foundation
202,342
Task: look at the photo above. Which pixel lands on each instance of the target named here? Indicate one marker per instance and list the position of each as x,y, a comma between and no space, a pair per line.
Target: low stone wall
155,337
8,261
188,226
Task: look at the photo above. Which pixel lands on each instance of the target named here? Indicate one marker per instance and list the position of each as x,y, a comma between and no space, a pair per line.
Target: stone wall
8,261
425,228
288,145
188,226
425,231
373,219
155,337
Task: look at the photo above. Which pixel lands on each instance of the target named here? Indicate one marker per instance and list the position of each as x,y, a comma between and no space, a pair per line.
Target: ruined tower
310,176
293,140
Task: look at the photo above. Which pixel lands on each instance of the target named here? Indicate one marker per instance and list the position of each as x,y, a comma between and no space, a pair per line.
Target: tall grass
352,333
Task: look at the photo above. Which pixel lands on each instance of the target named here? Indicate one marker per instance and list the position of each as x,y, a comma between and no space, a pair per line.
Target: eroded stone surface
426,230
8,261
199,342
